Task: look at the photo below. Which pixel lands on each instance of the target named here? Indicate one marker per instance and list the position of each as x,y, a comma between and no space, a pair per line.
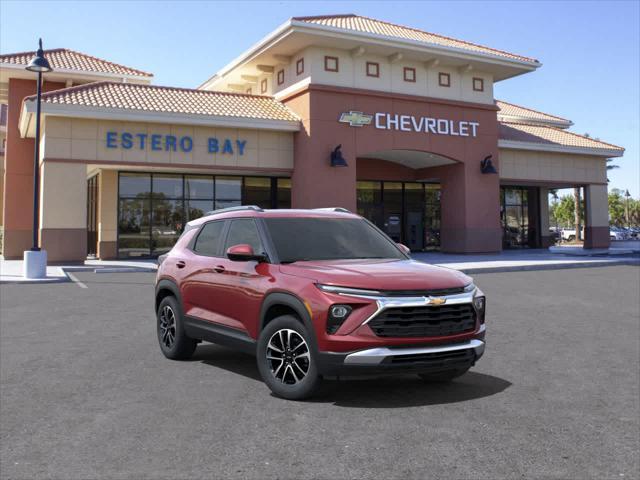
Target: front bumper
428,359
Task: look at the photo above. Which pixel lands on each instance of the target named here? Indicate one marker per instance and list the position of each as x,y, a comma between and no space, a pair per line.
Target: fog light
336,317
480,303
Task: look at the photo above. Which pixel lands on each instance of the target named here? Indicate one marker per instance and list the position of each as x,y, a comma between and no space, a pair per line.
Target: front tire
174,343
287,360
443,377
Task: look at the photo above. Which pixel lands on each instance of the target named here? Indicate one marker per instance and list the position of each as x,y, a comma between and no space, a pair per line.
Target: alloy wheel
288,356
167,326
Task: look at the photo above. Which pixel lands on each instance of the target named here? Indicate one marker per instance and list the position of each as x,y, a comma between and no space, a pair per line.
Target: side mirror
404,248
243,253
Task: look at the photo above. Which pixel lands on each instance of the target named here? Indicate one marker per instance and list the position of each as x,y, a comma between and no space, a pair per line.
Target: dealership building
398,124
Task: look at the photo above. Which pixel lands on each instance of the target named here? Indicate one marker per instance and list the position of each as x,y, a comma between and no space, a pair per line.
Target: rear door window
209,239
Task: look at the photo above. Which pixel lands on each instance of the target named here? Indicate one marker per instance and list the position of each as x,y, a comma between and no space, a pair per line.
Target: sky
590,51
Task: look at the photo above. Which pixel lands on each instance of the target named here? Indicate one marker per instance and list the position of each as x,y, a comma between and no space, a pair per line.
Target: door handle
219,268
180,264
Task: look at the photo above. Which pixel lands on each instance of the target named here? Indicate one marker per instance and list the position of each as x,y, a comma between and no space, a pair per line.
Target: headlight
336,317
470,288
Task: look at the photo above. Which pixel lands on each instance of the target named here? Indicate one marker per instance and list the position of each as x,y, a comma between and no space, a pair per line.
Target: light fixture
486,166
337,160
39,62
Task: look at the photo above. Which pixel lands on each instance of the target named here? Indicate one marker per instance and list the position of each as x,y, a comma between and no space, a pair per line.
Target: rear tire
287,360
443,377
174,343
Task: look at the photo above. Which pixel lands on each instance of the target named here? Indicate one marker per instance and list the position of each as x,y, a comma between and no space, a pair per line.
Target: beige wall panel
58,127
82,149
78,147
86,129
598,213
108,206
549,166
57,147
63,196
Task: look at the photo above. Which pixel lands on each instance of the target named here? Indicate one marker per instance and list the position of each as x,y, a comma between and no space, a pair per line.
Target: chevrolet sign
410,123
355,119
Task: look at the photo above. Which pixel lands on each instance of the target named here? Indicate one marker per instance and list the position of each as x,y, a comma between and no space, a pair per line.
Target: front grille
437,360
427,321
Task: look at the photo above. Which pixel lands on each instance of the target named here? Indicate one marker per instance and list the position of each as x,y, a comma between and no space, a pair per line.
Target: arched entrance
399,191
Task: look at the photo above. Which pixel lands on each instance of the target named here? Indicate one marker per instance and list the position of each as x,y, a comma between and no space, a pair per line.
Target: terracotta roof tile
517,132
513,110
152,98
379,27
65,59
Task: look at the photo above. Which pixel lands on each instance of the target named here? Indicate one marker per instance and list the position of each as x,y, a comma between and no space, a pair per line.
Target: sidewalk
11,270
519,260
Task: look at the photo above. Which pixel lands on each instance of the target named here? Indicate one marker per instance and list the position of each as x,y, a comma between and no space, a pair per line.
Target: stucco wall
551,167
85,140
352,73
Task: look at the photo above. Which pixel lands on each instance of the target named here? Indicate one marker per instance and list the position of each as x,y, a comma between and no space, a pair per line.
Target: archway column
470,209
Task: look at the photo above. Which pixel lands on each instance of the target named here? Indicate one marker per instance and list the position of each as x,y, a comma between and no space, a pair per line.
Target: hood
378,274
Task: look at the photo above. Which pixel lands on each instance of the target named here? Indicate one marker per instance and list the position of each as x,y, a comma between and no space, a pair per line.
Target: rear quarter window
209,239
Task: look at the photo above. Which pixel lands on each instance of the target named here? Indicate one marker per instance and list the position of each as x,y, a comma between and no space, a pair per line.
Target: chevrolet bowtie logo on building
436,301
356,119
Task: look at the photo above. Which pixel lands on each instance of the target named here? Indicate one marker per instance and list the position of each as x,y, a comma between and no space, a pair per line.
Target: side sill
219,334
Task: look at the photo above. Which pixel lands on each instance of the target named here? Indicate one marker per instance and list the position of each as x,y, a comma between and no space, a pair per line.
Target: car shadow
390,391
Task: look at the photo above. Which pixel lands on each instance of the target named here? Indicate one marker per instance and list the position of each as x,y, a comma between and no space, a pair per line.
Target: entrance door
92,216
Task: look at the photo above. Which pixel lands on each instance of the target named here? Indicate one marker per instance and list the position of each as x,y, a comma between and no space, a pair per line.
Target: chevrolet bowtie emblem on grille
356,119
436,301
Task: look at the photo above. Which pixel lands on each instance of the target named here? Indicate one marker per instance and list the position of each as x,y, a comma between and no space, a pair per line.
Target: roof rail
334,209
240,208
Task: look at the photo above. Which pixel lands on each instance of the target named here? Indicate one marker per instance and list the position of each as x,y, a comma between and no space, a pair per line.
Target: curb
562,266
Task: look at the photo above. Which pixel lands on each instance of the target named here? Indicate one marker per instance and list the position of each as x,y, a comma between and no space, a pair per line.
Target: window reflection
154,208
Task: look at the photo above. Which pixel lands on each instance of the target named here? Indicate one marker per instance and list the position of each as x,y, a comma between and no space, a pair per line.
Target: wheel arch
281,303
166,288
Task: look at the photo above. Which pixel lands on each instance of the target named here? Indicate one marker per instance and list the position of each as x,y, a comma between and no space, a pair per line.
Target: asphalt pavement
86,393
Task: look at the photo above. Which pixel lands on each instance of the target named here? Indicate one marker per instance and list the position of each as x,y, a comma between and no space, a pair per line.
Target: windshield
297,239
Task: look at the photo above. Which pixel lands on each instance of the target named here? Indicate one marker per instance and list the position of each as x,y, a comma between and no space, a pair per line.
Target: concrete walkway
518,260
506,261
11,270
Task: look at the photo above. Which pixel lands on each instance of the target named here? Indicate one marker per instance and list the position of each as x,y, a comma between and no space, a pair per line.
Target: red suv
315,293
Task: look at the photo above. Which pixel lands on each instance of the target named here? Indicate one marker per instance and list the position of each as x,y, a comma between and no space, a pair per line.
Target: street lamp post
35,260
626,208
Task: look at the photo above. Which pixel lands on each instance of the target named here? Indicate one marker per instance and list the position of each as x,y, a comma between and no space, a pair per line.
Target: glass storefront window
167,186
197,208
409,212
167,224
199,188
153,208
134,220
283,194
257,191
228,192
518,225
135,184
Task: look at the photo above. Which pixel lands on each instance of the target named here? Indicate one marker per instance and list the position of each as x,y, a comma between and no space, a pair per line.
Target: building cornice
306,87
129,115
544,147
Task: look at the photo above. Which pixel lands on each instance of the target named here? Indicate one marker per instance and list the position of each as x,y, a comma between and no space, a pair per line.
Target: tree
563,211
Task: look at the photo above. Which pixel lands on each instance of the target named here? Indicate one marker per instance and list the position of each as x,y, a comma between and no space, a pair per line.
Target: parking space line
75,280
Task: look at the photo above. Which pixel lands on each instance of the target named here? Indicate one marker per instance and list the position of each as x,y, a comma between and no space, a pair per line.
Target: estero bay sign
411,123
171,143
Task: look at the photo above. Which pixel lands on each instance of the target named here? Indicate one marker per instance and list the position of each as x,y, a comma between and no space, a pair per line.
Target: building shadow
391,391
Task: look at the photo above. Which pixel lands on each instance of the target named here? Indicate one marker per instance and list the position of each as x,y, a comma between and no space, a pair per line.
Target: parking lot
86,393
